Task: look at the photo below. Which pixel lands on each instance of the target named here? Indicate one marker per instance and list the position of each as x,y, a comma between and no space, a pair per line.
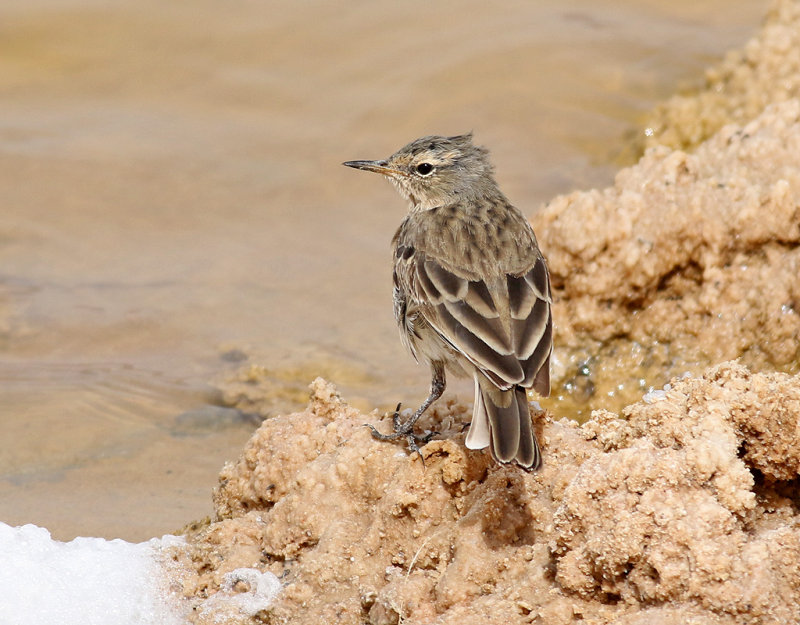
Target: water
173,207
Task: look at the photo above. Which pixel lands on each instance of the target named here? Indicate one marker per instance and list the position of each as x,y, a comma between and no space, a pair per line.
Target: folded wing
503,326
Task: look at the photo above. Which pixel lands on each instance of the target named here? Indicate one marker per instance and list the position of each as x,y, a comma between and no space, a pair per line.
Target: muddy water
172,207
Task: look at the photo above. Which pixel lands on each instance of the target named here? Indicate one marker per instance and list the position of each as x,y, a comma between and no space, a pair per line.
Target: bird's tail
501,420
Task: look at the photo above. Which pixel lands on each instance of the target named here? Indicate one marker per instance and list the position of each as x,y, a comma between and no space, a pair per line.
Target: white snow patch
87,581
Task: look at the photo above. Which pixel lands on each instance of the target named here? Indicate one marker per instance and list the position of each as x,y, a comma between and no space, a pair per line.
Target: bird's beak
379,167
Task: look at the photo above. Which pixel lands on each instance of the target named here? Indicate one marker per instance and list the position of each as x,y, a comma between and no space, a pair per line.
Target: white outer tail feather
479,435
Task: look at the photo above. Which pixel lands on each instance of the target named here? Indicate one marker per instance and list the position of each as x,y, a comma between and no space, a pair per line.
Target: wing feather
448,284
540,359
480,300
490,330
521,297
504,327
539,279
529,331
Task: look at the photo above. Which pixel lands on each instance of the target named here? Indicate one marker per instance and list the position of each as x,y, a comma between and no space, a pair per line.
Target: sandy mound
700,250
651,518
689,260
765,71
681,508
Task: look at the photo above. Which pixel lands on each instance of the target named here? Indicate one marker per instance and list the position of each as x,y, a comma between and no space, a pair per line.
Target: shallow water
173,206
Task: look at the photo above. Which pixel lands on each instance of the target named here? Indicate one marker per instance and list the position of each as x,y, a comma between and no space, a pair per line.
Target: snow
93,581
86,581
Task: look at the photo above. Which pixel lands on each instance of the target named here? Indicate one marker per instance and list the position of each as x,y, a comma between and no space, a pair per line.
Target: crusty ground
688,260
652,516
691,257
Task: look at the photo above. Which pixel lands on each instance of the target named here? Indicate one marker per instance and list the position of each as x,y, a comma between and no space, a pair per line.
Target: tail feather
501,407
479,435
528,454
502,421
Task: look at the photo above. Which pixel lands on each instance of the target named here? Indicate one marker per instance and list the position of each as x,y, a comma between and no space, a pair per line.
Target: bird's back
475,239
475,274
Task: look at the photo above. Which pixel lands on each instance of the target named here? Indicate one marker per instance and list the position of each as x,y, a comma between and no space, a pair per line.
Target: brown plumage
471,291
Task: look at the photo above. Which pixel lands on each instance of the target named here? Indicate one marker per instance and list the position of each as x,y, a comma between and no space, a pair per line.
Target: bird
471,292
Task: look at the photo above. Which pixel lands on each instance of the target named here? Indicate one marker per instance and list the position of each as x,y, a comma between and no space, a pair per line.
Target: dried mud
690,259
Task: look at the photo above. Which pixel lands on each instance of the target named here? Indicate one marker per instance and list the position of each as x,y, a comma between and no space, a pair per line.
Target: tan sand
680,508
655,517
689,260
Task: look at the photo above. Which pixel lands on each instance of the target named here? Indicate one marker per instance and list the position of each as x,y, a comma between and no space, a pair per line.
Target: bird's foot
406,431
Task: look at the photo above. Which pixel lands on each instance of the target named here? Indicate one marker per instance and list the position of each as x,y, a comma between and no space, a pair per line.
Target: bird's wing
503,326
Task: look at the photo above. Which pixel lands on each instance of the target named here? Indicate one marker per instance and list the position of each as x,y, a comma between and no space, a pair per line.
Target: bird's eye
424,169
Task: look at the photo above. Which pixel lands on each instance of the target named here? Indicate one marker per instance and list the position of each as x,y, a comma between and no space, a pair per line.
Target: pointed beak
379,167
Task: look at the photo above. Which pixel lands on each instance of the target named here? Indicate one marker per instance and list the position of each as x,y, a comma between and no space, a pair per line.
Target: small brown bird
471,291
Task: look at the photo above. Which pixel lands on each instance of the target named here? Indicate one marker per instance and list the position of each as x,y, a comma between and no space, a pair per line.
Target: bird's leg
406,430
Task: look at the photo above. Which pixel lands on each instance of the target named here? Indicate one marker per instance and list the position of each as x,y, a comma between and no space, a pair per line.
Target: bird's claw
406,431
396,417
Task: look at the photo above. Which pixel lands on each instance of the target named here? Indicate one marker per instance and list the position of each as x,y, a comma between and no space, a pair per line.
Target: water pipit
471,292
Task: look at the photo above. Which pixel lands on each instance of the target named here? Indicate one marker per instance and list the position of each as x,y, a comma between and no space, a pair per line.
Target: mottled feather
471,289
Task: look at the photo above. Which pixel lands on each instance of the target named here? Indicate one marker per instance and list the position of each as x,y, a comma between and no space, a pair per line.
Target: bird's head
434,171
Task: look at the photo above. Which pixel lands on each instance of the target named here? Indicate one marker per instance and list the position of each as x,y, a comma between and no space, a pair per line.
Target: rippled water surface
172,206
